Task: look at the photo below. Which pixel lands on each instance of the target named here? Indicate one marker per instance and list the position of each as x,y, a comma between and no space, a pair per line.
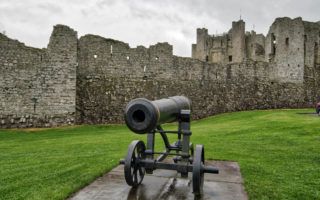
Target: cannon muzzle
143,116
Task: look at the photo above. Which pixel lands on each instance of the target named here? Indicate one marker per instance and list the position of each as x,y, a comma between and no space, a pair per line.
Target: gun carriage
145,117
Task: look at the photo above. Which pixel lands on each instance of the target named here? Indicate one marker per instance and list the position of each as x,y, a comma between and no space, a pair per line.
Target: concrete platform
164,184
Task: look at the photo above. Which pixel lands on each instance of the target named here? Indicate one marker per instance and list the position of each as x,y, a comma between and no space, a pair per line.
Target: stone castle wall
107,81
38,86
91,79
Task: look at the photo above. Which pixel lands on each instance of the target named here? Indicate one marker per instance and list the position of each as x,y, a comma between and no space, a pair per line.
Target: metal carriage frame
141,159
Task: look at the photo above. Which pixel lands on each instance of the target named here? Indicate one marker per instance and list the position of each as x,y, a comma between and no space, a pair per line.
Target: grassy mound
278,152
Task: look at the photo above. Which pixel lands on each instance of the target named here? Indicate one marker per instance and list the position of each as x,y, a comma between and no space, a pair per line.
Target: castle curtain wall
90,80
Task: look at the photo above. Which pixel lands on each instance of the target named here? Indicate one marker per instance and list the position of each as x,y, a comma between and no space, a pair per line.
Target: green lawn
278,152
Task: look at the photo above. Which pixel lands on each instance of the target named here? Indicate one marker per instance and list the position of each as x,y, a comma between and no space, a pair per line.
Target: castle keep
90,80
291,45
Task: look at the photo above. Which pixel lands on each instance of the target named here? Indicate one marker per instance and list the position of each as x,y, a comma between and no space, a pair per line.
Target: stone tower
221,48
238,41
292,46
202,44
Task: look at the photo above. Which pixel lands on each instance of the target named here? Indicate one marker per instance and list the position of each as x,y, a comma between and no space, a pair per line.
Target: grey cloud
52,8
84,12
1,27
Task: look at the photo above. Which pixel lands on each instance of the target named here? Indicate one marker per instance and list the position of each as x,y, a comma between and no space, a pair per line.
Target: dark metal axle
172,166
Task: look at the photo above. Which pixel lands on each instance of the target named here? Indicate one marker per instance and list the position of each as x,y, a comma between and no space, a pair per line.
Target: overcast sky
145,22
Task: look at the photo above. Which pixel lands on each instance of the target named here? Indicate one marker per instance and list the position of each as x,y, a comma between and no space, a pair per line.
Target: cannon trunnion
145,117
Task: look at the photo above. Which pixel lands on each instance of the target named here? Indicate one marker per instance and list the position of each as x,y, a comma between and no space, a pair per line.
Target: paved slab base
164,184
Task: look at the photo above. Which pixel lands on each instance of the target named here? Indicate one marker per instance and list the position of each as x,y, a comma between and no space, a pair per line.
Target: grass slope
278,151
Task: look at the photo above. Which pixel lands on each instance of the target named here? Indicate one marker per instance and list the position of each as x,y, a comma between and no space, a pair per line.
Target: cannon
143,116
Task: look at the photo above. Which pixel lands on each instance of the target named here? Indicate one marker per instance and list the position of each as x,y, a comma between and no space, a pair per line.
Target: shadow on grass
307,113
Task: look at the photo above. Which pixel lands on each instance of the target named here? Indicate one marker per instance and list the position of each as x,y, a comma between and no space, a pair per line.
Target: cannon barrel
143,115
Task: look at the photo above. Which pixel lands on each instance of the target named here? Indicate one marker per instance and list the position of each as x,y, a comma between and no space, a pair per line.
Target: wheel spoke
140,171
135,174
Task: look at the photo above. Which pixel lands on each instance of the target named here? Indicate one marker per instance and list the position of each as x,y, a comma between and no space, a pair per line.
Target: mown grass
278,152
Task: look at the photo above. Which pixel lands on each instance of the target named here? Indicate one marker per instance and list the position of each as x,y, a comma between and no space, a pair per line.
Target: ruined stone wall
288,53
231,47
218,49
37,86
91,79
107,83
255,46
311,42
259,47
291,45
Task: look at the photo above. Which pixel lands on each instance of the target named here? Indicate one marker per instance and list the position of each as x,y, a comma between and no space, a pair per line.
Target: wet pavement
165,184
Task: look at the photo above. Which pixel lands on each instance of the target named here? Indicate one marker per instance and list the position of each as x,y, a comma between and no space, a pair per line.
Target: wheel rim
197,173
133,171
